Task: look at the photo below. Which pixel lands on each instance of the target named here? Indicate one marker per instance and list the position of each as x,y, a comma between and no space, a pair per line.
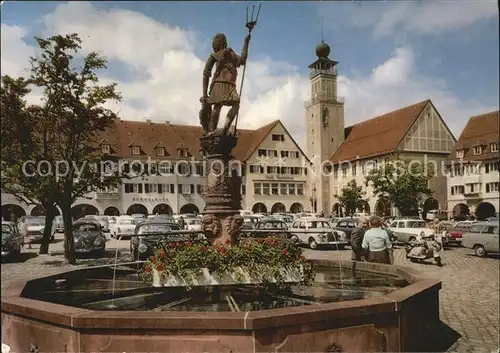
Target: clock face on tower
324,116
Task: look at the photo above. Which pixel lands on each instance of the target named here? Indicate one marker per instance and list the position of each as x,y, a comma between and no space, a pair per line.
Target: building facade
474,169
414,133
167,172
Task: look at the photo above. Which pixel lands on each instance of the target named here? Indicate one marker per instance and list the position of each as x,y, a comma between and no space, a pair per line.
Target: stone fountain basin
404,320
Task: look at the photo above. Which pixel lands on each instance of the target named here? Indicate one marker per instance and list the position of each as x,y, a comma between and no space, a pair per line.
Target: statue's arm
244,52
207,72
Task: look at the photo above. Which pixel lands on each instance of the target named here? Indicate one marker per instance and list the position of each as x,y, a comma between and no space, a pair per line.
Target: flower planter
238,276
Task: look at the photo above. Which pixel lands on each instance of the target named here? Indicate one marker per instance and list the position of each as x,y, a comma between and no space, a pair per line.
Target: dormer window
160,151
460,153
494,147
183,152
278,137
105,149
136,150
477,150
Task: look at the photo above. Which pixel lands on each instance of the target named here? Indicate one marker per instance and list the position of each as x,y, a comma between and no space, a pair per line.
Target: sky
390,53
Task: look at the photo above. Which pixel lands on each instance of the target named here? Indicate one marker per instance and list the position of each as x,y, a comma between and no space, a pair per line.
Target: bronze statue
222,90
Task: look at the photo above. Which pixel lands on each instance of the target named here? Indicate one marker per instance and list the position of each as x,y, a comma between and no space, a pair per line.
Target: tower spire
322,29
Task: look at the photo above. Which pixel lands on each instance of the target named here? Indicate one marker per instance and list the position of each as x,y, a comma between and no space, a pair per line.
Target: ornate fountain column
221,220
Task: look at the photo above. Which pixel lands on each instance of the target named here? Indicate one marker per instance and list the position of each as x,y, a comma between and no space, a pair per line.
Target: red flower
159,267
187,243
171,245
147,269
222,250
153,259
162,255
228,242
283,252
302,257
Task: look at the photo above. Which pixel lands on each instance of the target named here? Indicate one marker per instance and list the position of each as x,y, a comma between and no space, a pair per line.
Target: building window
136,150
494,147
243,189
272,153
294,154
133,188
477,150
183,153
300,189
353,171
262,153
291,189
160,151
257,188
283,189
278,137
265,189
274,189
284,154
492,187
460,153
106,149
344,172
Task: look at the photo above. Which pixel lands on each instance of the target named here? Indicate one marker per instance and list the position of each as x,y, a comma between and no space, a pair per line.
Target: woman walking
376,241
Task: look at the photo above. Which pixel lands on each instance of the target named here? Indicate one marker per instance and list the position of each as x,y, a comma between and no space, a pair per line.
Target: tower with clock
324,124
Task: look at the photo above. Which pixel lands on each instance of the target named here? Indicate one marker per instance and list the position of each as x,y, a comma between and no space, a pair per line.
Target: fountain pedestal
221,220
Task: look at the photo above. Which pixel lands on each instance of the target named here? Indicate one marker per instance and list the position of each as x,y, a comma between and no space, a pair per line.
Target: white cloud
164,74
15,52
422,17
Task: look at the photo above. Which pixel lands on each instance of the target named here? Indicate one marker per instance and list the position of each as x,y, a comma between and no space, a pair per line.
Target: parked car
193,224
269,228
124,227
89,237
59,224
347,225
483,238
12,240
441,214
103,221
454,234
407,230
148,234
35,227
286,218
317,232
249,222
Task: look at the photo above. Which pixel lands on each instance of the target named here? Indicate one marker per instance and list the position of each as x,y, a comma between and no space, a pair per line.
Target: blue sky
447,51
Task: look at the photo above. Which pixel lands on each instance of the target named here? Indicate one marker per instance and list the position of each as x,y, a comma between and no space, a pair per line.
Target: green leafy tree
352,197
75,107
400,183
25,141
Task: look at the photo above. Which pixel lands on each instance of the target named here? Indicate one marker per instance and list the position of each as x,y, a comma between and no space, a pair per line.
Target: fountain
347,306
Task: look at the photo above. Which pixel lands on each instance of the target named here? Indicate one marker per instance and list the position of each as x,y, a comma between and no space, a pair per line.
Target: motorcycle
426,248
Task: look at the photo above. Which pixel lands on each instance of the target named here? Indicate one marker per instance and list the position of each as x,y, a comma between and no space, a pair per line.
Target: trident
250,25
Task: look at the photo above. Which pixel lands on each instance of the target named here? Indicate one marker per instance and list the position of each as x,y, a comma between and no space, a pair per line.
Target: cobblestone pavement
469,298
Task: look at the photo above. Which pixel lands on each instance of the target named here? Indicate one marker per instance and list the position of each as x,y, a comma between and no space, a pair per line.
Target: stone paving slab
469,299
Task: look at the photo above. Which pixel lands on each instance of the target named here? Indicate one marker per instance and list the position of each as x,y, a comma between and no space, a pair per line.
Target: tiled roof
149,135
379,135
480,130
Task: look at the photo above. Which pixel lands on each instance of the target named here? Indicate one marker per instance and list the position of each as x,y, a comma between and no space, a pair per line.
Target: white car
124,226
317,232
407,230
193,224
483,238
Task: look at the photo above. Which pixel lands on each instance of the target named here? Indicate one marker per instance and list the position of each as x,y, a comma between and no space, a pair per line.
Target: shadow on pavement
489,256
23,257
444,339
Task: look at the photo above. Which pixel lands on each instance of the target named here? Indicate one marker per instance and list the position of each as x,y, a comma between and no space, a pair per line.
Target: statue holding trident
222,89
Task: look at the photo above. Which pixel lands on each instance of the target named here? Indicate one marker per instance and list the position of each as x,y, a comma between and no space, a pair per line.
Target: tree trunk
69,241
50,213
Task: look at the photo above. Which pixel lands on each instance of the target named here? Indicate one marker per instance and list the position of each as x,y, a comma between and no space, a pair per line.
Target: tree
74,107
351,197
400,183
25,142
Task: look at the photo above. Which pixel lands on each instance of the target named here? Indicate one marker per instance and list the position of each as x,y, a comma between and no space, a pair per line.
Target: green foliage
400,183
352,197
262,259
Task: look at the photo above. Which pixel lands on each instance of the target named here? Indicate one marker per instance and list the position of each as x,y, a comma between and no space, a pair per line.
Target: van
441,214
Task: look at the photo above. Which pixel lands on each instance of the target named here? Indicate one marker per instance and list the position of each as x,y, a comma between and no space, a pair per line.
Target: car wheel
480,250
312,244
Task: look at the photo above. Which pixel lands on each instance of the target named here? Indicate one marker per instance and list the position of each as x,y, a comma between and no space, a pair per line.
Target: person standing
182,224
376,241
357,253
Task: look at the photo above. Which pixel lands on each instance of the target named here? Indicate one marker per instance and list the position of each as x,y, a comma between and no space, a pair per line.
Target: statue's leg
214,120
231,114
